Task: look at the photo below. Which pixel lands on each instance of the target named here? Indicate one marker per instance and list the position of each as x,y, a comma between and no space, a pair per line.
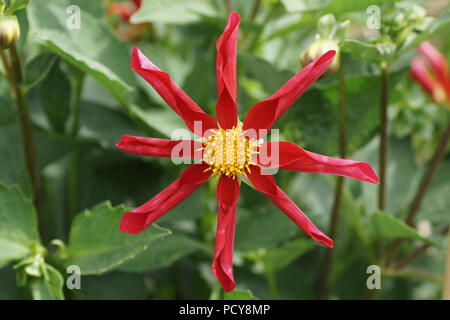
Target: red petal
419,72
436,60
292,157
222,266
266,184
226,108
176,98
265,113
137,220
154,147
138,3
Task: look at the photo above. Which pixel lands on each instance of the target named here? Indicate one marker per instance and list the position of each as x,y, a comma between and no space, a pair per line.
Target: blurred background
83,96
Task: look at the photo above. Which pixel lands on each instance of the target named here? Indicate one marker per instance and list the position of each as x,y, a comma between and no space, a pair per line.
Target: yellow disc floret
229,152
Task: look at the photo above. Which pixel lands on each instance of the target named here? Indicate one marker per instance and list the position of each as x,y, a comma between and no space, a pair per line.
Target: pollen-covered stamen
229,152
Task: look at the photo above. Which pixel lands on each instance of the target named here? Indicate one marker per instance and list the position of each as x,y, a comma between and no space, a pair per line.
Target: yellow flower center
229,152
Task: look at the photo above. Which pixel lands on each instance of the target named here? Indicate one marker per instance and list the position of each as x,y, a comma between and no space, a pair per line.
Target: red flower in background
126,30
125,9
241,155
436,84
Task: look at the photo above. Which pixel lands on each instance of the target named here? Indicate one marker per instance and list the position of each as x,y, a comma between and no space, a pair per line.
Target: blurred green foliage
83,97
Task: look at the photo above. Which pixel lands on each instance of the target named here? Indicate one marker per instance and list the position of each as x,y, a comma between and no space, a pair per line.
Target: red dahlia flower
240,155
437,85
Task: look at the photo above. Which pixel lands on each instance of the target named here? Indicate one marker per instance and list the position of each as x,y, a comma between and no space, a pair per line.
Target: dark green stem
255,10
383,138
15,78
272,283
329,255
72,173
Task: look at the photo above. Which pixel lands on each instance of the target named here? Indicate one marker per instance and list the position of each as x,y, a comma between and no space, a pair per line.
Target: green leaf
238,295
304,5
48,287
368,52
165,121
173,11
342,6
278,258
13,169
389,227
38,69
92,48
97,245
104,125
15,5
18,227
269,221
162,253
55,98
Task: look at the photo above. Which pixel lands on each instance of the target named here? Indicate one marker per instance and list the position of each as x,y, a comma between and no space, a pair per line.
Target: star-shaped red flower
237,164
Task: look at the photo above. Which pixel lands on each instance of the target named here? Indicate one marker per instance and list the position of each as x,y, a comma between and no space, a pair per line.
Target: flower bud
9,31
318,48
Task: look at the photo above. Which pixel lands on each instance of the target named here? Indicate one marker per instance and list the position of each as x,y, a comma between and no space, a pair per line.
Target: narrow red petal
436,60
226,107
266,184
265,113
139,219
222,266
154,147
176,98
420,73
293,157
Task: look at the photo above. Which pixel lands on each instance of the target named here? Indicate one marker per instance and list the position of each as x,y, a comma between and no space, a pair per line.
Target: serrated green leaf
173,11
92,48
238,295
49,287
389,227
18,227
97,245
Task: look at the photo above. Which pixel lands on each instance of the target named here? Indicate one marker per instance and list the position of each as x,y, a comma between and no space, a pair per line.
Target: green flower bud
326,26
318,48
9,31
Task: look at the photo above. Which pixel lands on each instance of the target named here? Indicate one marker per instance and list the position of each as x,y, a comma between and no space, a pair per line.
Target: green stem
383,138
72,173
446,285
272,283
436,160
417,252
228,6
15,78
329,255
